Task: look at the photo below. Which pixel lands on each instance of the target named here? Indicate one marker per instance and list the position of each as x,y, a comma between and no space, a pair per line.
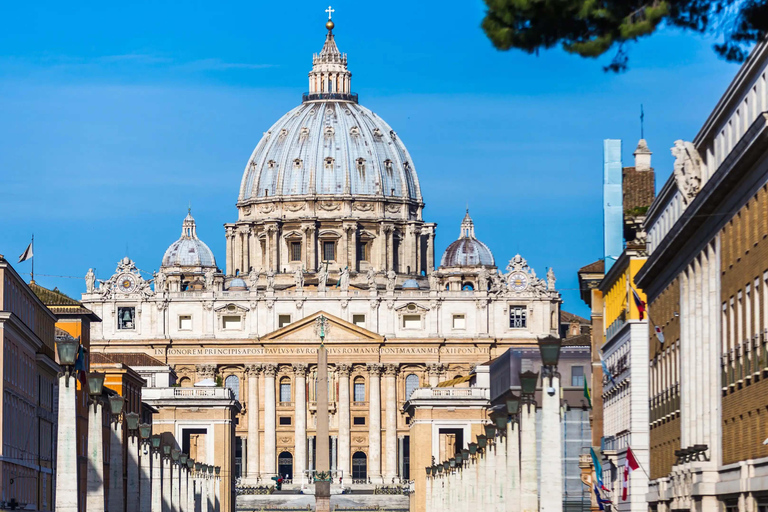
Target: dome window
270,165
283,133
304,133
354,131
361,165
297,163
388,165
392,134
329,162
328,131
377,134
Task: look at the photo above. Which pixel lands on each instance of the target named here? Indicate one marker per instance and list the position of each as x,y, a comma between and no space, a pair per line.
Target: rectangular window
358,320
126,318
283,320
459,322
363,251
411,321
285,420
231,322
577,376
185,322
517,318
285,391
329,251
295,251
359,420
359,391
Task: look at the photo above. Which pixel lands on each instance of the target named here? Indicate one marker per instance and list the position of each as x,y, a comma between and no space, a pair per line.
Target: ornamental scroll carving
362,207
688,169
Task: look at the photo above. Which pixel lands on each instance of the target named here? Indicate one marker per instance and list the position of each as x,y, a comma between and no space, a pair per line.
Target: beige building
706,278
28,414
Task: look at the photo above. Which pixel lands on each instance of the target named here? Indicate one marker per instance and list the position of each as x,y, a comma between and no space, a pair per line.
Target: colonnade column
342,371
252,443
551,447
95,480
157,481
374,429
529,492
300,416
270,431
132,471
513,466
115,495
390,446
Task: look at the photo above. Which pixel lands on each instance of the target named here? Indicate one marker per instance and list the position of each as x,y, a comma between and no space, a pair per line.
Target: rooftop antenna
642,119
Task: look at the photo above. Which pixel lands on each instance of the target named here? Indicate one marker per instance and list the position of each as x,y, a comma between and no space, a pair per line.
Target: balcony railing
742,365
431,393
172,392
340,96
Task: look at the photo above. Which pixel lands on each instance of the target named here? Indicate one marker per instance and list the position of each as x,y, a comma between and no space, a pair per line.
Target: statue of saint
344,279
253,279
370,278
482,280
270,280
298,278
550,279
209,280
434,281
90,281
322,278
391,277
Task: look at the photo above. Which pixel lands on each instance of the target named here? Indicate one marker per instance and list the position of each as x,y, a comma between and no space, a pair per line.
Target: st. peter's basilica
330,221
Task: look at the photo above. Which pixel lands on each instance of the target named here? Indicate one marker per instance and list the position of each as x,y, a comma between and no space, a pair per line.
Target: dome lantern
330,78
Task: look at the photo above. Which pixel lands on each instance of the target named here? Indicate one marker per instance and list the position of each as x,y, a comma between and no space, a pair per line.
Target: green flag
586,393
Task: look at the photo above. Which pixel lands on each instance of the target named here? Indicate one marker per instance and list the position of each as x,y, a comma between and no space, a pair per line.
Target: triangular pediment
305,330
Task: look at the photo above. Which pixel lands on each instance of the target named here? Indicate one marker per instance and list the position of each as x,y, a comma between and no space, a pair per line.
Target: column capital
270,370
300,369
343,369
375,368
254,369
391,370
435,368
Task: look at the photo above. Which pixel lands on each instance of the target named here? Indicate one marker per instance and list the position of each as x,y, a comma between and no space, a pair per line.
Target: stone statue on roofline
270,280
687,169
322,278
391,277
370,278
550,279
90,281
298,278
344,279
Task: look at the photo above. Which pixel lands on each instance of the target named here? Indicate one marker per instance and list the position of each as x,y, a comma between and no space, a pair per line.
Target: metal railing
340,96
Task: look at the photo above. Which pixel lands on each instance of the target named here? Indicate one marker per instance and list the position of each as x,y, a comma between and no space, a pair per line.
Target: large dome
330,145
188,251
467,251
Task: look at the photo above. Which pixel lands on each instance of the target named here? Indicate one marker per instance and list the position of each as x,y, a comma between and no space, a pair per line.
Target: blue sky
114,117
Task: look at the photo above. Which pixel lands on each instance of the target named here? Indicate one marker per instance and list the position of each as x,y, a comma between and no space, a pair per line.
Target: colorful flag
586,393
659,334
601,502
640,303
598,467
630,464
27,254
606,372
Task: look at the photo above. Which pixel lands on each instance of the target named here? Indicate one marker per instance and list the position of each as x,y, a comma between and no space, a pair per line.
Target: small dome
237,284
188,251
467,251
410,284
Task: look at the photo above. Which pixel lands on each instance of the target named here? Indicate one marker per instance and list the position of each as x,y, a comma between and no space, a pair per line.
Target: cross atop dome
330,78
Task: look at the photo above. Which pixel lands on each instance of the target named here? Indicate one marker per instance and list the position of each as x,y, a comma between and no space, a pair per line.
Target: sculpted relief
688,169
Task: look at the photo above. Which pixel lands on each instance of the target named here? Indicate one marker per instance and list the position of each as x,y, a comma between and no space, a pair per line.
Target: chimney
642,156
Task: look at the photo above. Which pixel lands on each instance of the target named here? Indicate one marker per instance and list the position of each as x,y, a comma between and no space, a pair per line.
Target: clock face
518,281
126,283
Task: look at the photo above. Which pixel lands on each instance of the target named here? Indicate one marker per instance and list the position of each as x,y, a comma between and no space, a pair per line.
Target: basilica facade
330,222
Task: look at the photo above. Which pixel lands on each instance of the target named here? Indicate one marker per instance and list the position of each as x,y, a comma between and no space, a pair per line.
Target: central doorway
285,465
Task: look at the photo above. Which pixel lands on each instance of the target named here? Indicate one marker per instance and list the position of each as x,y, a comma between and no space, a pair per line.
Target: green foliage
637,211
590,28
219,381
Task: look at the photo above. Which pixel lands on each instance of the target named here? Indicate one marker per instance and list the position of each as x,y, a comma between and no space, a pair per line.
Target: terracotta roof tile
129,359
594,268
639,189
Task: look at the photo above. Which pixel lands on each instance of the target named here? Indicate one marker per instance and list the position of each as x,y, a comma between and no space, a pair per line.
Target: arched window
285,389
411,383
233,383
359,389
359,466
468,287
185,382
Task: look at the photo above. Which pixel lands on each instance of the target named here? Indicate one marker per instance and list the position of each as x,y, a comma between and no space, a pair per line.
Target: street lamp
217,470
183,459
116,403
465,454
145,431
155,440
482,441
66,491
490,430
528,382
499,416
473,449
95,384
513,404
67,349
549,348
166,450
175,454
132,421
191,464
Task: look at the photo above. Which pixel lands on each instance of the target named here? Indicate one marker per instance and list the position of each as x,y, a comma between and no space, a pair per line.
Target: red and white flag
630,464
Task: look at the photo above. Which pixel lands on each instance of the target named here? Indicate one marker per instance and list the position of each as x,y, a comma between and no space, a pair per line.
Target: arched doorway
285,465
359,466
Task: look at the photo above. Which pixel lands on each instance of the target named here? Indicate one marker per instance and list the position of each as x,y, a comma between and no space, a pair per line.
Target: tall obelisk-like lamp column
66,449
132,463
115,495
94,499
552,427
323,473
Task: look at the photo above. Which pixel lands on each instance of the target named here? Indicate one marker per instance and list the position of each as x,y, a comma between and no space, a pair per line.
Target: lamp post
190,486
145,468
157,475
529,486
217,488
175,480
166,453
115,501
551,434
95,480
512,440
132,462
182,482
66,448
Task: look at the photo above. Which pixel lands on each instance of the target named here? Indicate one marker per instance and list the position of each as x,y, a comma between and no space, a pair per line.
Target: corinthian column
300,414
342,371
390,444
252,461
374,428
270,431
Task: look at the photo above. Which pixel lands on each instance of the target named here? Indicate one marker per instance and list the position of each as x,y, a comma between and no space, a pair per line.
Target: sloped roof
60,303
566,317
594,268
128,359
